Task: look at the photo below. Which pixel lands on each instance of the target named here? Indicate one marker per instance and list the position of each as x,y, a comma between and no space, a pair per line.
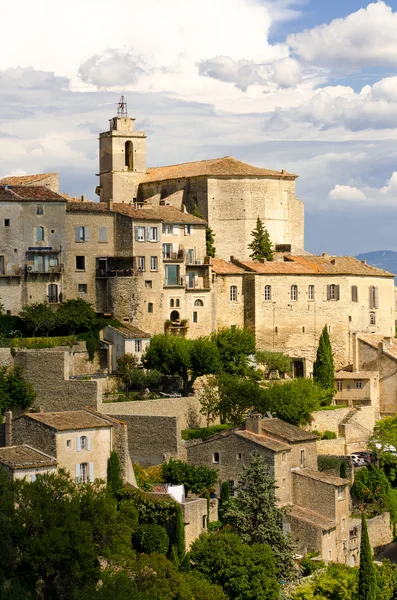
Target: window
302,458
177,302
310,292
172,302
373,297
303,329
139,234
172,275
103,234
129,155
141,263
372,318
7,222
83,442
329,328
340,492
195,317
39,209
152,234
80,263
68,443
231,487
339,386
268,293
2,265
83,473
191,280
294,292
138,345
153,263
238,456
39,234
174,316
233,293
198,302
167,228
188,229
343,524
167,251
359,385
215,457
190,256
82,288
148,283
53,292
332,292
82,234
204,521
354,293
150,307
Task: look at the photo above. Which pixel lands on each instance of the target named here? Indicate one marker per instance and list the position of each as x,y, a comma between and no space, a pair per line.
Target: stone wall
151,440
6,359
35,434
194,511
327,420
48,372
379,531
185,409
331,447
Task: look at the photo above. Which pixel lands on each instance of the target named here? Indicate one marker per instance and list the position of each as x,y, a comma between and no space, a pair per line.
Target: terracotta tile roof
165,214
320,476
22,193
223,267
87,206
264,441
356,374
67,420
216,167
374,339
25,457
313,265
26,179
286,431
130,332
308,516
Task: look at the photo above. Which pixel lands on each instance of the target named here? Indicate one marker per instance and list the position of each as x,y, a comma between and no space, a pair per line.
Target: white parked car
358,461
385,448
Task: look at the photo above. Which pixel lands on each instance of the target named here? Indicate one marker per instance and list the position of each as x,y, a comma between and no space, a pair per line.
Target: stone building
25,462
125,340
319,503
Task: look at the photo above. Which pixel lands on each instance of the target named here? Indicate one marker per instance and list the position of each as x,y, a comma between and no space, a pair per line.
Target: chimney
110,204
325,255
253,423
8,428
41,410
364,262
82,198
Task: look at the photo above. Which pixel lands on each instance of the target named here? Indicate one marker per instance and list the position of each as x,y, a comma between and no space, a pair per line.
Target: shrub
329,435
326,463
151,538
44,342
309,566
203,433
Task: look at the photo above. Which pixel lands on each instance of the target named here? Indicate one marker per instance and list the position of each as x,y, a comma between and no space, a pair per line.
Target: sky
309,86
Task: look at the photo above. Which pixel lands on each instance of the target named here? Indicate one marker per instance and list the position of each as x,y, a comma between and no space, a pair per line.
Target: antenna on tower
122,108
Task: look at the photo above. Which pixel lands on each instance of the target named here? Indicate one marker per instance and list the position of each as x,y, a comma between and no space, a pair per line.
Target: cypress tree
323,368
261,245
114,473
367,575
343,472
223,501
179,542
209,234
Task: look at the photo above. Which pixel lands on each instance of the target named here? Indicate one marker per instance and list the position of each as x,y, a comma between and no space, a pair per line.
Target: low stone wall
6,359
379,531
187,410
332,447
328,420
82,365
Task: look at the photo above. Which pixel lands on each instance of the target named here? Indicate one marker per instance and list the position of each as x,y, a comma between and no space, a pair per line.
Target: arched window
150,307
52,292
268,293
215,457
83,442
372,318
39,234
177,303
198,302
233,293
172,303
294,292
310,292
129,155
175,318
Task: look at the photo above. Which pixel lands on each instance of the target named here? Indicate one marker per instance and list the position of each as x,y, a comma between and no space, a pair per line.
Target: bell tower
122,158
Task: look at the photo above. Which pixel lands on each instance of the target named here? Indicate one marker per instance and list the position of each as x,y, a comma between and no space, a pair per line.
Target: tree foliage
198,480
274,361
237,396
337,582
210,400
209,234
323,368
292,401
244,572
151,538
14,389
366,575
186,358
261,245
235,346
76,314
38,317
256,517
373,492
114,473
224,501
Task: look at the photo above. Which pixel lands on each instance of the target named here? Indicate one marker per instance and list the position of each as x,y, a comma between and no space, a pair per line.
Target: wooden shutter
78,234
328,292
136,234
86,234
148,234
103,234
158,233
78,443
91,471
376,298
88,442
77,472
175,229
371,297
337,292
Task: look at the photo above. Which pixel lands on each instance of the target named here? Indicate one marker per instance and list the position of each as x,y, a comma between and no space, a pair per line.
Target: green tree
274,361
244,572
209,234
179,539
343,470
261,246
292,401
126,366
237,396
114,473
76,314
14,389
224,501
323,368
235,347
337,582
385,433
199,479
210,400
151,538
256,517
366,575
373,492
38,317
177,356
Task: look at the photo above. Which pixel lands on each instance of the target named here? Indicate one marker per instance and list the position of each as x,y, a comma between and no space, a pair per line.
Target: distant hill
383,259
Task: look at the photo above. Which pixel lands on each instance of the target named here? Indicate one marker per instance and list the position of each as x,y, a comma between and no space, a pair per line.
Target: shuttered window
82,234
373,297
268,293
354,293
103,234
139,234
333,292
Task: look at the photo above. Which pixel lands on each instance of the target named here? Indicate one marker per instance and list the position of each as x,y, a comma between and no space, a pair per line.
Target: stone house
357,388
125,340
23,461
319,503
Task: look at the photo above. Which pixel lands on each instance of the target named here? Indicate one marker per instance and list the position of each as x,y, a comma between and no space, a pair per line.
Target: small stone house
357,388
319,504
26,462
125,340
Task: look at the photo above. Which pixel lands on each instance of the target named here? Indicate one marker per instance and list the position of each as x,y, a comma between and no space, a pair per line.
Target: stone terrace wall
328,420
48,372
185,409
6,359
152,439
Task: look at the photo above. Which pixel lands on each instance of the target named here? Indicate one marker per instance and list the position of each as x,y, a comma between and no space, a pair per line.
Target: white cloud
366,37
242,73
346,192
112,68
286,72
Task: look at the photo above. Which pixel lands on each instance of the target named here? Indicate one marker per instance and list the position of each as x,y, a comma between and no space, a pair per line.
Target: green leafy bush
327,463
329,435
151,538
309,566
204,433
44,342
197,479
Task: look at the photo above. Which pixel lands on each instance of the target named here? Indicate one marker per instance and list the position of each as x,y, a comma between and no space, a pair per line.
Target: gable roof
25,457
26,179
68,420
320,476
264,441
25,193
389,344
286,431
223,267
356,374
130,332
308,516
215,167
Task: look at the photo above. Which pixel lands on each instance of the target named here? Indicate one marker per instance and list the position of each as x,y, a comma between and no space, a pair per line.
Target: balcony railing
32,270
197,262
106,273
173,256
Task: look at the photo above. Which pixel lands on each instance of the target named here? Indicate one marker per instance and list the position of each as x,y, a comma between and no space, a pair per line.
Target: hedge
39,342
204,433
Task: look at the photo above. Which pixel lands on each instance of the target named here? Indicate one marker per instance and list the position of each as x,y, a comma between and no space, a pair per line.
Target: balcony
14,271
197,262
116,267
173,256
172,283
31,269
